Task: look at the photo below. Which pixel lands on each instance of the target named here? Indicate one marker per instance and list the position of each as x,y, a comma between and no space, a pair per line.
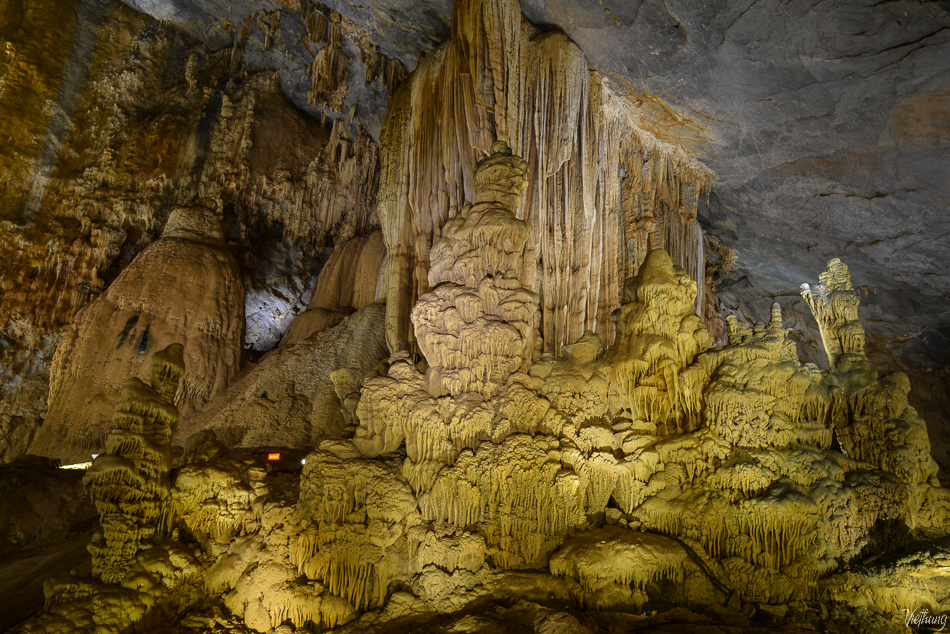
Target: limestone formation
516,440
500,78
349,281
760,396
834,303
475,329
476,326
659,337
129,482
289,398
552,487
614,565
184,288
874,422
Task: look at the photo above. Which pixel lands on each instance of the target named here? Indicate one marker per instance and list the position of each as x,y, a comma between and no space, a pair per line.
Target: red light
271,457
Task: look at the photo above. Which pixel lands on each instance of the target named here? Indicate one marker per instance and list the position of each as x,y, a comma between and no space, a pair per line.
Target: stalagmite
652,366
760,396
185,287
834,303
476,326
872,419
129,482
348,282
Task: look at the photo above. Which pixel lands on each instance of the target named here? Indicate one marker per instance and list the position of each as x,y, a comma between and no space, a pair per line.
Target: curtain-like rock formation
602,192
185,287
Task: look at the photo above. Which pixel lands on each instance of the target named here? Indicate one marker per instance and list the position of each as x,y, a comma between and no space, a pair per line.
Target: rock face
289,398
350,280
185,287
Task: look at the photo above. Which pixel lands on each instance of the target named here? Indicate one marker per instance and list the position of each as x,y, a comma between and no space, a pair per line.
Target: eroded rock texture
289,398
115,120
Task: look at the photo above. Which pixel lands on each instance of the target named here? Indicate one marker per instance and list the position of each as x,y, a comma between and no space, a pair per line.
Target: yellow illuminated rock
129,482
501,410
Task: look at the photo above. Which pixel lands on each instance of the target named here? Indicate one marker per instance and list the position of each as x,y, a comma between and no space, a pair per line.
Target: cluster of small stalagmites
475,327
522,481
872,418
759,395
652,365
213,497
768,521
129,483
524,470
521,495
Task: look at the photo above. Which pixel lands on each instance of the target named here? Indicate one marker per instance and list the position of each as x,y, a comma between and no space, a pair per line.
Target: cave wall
114,120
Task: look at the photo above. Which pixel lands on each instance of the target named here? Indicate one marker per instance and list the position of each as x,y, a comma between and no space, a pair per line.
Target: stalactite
499,79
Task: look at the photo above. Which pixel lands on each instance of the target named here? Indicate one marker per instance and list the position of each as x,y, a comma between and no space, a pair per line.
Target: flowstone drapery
604,187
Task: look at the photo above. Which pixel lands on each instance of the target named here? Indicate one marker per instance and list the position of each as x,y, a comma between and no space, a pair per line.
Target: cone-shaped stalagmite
184,287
